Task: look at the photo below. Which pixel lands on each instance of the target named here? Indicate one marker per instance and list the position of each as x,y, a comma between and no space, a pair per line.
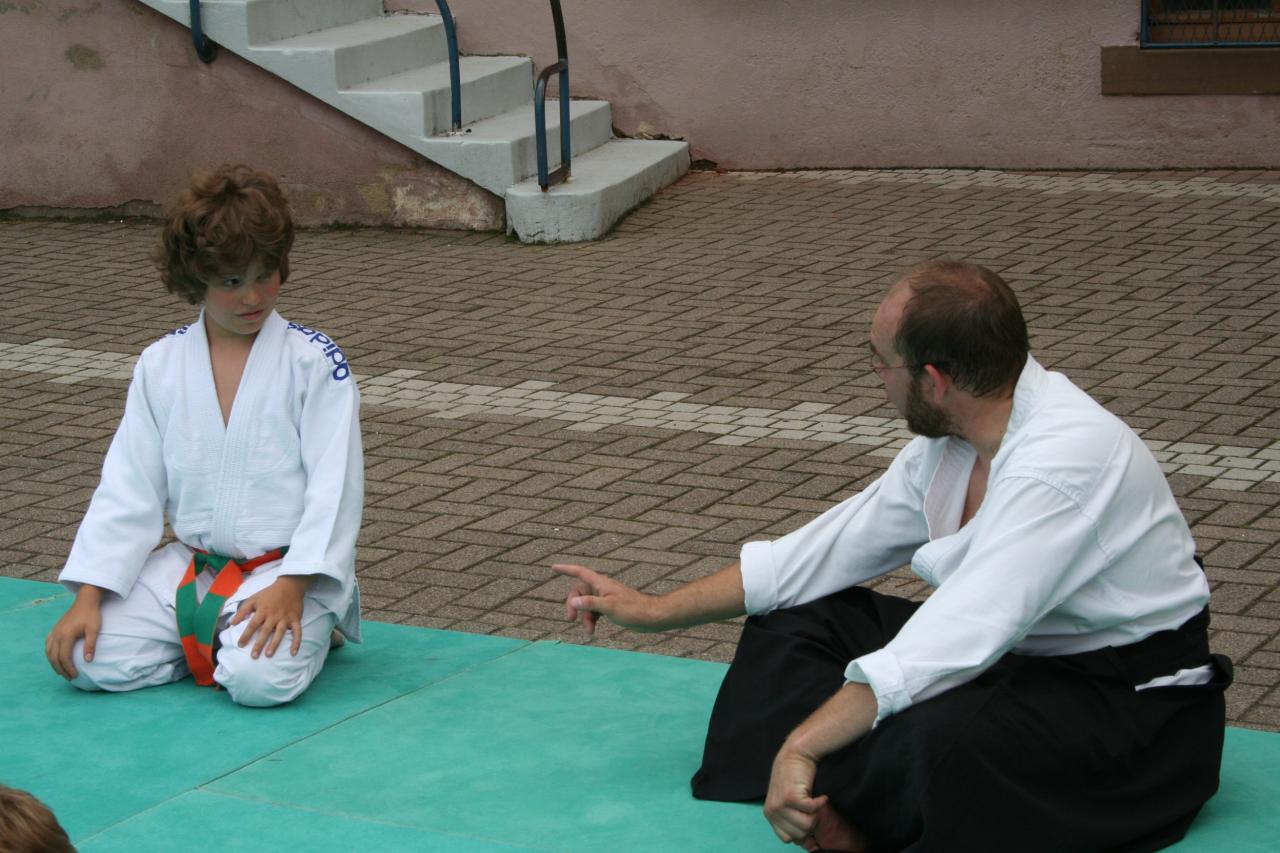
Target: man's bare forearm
838,722
710,599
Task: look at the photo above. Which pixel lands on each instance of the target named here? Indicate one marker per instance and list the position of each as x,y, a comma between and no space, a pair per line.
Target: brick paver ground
646,403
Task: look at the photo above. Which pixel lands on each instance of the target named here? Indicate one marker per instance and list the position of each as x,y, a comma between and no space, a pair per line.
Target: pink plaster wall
755,84
106,106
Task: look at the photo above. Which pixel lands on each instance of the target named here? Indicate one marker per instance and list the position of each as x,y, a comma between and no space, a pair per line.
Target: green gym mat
424,740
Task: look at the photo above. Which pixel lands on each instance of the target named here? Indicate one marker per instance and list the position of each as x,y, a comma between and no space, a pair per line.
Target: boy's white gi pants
139,646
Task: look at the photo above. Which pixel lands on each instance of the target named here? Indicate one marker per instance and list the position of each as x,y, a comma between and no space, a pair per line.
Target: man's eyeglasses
878,365
882,369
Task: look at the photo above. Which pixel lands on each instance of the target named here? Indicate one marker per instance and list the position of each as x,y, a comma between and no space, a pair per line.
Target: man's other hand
593,595
789,806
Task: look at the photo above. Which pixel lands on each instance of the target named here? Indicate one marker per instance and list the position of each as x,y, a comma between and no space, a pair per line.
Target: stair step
274,20
369,49
418,101
501,151
391,72
605,184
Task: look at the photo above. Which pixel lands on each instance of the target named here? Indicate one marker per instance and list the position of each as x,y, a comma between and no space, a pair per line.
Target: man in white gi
243,430
1054,693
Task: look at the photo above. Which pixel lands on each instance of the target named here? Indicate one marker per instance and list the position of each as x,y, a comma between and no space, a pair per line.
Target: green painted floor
423,740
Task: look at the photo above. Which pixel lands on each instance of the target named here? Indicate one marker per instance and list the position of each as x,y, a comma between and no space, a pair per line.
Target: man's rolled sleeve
862,537
881,671
759,577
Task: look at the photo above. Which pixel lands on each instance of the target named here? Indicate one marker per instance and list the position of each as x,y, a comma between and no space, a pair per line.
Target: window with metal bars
1210,23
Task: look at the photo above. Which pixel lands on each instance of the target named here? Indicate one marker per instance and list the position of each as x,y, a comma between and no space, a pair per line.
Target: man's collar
1026,393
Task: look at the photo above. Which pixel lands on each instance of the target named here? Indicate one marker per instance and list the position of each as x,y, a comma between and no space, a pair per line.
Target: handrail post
205,49
561,67
562,51
455,76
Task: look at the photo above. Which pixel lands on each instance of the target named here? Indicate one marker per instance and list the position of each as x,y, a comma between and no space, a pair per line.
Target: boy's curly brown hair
225,221
27,825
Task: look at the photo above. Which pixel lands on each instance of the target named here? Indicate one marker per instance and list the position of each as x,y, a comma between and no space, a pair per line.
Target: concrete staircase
392,73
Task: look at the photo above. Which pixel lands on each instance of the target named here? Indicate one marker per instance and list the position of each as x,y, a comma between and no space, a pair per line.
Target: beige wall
755,84
106,105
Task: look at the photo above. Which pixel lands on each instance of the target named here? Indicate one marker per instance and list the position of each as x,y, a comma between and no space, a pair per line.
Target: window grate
1210,23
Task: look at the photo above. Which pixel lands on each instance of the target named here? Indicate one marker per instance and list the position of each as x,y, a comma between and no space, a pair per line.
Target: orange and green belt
198,619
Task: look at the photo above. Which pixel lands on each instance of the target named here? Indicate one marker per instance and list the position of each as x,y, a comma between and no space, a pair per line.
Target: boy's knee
87,681
119,670
263,682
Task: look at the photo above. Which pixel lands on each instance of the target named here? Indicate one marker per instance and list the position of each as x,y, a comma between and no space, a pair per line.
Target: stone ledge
1131,70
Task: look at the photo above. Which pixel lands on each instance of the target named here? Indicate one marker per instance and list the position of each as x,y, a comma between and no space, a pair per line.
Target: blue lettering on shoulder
179,331
341,370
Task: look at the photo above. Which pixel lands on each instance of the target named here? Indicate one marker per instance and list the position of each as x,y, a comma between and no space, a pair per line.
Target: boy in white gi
243,430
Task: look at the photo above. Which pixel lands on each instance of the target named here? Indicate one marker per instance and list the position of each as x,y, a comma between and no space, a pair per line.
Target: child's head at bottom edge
28,826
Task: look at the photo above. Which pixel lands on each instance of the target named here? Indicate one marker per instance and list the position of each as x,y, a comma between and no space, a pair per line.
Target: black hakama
1038,754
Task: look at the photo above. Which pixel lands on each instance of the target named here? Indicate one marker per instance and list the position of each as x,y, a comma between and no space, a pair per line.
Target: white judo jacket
1078,544
287,469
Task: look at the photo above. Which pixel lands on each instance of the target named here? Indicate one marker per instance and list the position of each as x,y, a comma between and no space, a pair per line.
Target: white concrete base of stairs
595,197
390,72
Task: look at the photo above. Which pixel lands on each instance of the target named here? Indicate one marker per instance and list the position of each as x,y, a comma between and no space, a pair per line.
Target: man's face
923,417
904,391
884,358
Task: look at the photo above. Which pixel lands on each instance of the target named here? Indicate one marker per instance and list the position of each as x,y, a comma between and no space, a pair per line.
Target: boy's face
238,305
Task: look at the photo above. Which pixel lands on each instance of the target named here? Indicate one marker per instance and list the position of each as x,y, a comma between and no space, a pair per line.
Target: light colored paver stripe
1234,468
956,179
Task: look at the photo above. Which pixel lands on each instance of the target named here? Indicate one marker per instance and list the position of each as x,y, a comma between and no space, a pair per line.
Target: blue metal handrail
561,67
205,49
455,76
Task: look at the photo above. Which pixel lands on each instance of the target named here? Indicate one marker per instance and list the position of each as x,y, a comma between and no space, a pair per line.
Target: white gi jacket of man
1078,544
286,469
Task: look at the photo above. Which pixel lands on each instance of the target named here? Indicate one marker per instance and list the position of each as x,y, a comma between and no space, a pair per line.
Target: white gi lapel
193,426
201,409
944,498
260,375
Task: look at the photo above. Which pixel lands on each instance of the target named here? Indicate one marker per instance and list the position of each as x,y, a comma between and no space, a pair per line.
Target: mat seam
202,785
364,711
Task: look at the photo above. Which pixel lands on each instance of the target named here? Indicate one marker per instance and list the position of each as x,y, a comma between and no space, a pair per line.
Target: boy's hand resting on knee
83,619
275,610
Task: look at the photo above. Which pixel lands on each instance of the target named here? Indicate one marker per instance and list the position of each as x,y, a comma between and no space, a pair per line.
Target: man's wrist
89,594
799,743
661,612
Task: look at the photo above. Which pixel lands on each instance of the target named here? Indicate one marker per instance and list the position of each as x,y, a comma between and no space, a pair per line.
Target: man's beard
924,418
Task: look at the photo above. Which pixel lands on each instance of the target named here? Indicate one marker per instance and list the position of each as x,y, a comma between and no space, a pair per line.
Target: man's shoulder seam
1048,479
1076,499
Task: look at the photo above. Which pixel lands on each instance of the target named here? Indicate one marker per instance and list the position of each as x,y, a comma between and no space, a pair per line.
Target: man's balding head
963,319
